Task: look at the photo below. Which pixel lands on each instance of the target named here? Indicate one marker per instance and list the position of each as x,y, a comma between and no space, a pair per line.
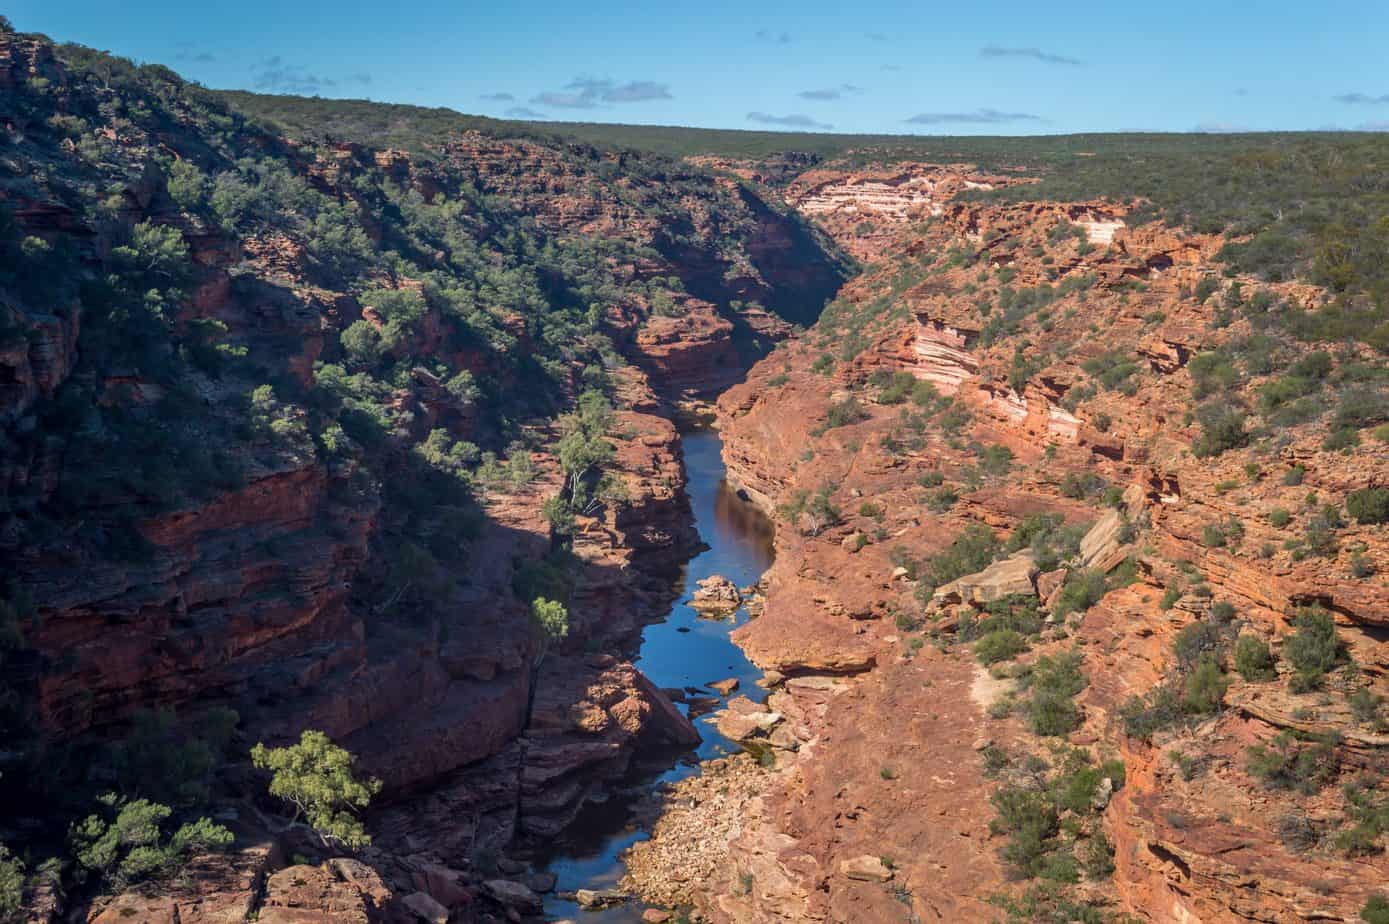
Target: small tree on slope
315,778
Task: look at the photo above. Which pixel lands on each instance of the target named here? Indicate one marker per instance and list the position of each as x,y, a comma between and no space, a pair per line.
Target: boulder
865,869
426,908
724,687
594,899
716,596
1014,576
511,894
737,726
439,882
1102,541
1049,584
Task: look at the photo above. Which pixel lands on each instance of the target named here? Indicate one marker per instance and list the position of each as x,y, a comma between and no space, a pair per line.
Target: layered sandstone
907,727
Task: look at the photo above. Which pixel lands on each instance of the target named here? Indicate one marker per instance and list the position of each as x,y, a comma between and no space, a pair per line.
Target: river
683,650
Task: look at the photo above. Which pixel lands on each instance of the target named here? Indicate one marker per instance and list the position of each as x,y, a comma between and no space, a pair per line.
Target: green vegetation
315,779
1052,814
11,887
1048,537
550,624
1054,681
1197,687
1253,660
1368,505
125,841
1290,763
999,645
1313,649
972,550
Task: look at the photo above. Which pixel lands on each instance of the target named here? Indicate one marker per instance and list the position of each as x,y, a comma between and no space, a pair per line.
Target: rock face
311,576
891,732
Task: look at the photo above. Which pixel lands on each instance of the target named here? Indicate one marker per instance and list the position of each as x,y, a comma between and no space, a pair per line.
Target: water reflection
682,651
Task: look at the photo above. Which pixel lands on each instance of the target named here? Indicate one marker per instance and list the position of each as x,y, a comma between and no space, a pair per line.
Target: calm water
682,651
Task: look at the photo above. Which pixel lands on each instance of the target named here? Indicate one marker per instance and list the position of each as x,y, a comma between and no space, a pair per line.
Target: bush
1054,681
1082,590
1368,505
1205,688
125,843
1293,476
1253,659
1376,910
843,413
1365,707
1279,518
1196,642
1222,429
1312,649
11,887
973,550
1290,764
1144,717
1367,810
999,645
1031,821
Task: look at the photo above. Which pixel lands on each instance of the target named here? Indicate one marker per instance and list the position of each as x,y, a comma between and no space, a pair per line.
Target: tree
124,842
158,250
315,778
187,185
11,887
550,622
362,343
583,449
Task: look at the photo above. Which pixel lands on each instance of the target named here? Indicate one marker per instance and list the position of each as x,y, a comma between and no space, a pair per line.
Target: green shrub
1196,642
1279,518
1082,486
1253,659
1031,821
1144,717
972,551
1376,910
1211,373
1291,764
11,887
1368,505
1367,811
1082,590
843,413
898,388
124,843
1099,858
999,645
1293,476
1054,681
1312,650
315,778
1205,687
1222,429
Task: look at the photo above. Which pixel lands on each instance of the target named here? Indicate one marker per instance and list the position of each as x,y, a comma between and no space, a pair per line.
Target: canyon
984,359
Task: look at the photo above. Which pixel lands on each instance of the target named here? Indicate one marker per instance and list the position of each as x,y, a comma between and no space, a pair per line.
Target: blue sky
948,68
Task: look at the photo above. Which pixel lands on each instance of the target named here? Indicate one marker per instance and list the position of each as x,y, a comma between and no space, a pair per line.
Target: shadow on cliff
797,271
